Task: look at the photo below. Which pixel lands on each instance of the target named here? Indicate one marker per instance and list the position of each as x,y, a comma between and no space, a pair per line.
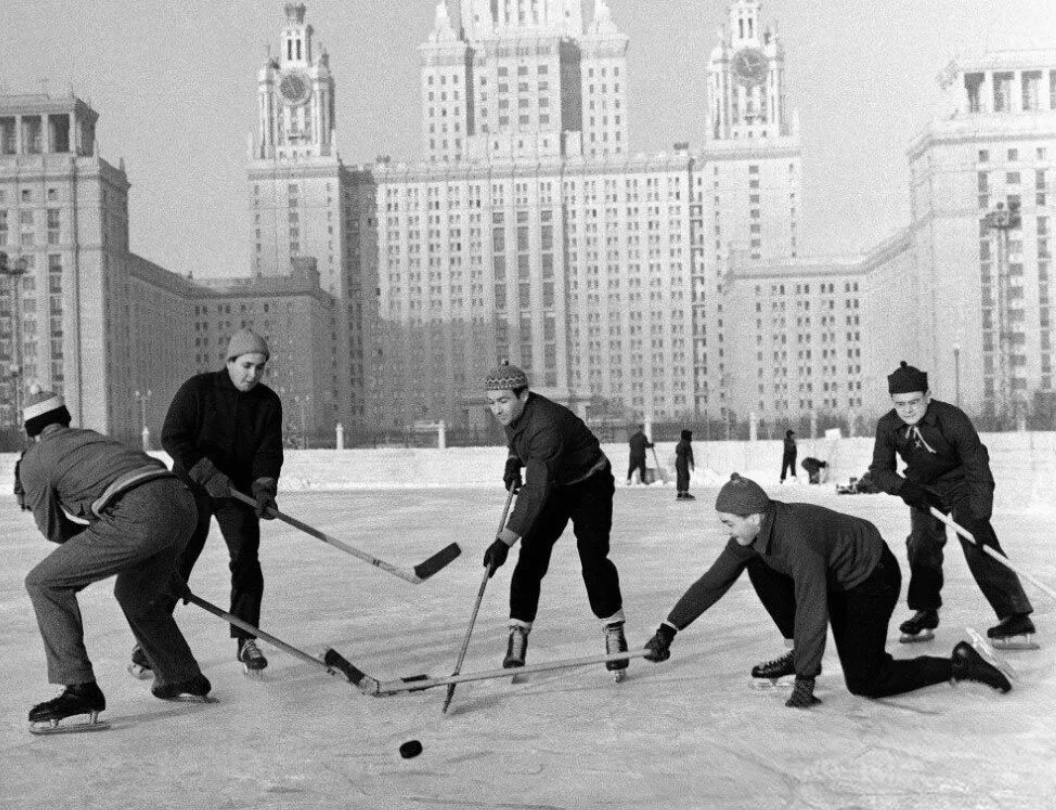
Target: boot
919,627
77,698
194,688
249,654
615,642
969,665
1018,624
516,647
140,666
777,668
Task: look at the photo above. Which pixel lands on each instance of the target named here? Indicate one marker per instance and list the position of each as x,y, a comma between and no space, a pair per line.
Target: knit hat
687,435
246,341
44,408
505,378
906,379
741,496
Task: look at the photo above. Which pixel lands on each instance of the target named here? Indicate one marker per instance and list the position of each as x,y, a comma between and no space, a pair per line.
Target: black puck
410,749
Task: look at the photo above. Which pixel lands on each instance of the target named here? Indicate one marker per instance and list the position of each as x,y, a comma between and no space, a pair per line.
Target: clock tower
746,79
296,95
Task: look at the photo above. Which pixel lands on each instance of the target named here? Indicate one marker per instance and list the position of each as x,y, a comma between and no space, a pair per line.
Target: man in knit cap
812,567
568,478
947,468
138,515
223,431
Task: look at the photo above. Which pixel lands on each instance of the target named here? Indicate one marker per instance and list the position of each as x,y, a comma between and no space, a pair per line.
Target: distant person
568,478
788,455
684,465
639,444
814,467
138,515
947,468
813,568
224,430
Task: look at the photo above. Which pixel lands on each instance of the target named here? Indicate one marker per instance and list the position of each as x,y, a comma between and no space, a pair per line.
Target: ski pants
788,464
637,463
138,539
859,618
924,547
588,505
681,475
240,528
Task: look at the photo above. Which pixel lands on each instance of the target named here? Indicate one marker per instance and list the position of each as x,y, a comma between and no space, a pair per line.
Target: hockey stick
404,685
476,608
333,662
420,574
660,471
967,535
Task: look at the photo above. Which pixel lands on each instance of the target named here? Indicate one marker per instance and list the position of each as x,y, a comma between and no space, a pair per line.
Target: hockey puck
410,749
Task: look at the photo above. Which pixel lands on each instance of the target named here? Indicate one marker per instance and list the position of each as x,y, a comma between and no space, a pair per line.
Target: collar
761,544
520,420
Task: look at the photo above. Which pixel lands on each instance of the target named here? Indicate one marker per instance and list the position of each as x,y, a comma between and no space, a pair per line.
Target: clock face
295,87
750,66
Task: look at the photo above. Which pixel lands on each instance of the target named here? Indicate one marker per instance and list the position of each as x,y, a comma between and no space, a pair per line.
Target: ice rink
689,733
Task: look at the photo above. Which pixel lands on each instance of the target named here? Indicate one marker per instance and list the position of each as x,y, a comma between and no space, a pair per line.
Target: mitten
511,476
659,645
803,694
917,497
205,474
495,556
264,491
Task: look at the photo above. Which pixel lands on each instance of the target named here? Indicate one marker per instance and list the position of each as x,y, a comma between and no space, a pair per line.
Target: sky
175,88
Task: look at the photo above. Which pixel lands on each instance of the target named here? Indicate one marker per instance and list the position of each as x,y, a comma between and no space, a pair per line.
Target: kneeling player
817,567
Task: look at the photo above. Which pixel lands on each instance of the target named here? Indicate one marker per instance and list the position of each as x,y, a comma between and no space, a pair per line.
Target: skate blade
186,698
253,674
140,673
47,727
923,635
770,684
987,652
619,675
1015,643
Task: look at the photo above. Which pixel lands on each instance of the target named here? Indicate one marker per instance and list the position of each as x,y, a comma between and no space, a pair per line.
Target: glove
264,491
511,477
659,645
495,556
20,493
803,694
917,497
205,474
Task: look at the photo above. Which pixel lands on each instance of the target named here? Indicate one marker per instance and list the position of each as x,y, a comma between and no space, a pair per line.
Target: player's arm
179,433
962,434
883,467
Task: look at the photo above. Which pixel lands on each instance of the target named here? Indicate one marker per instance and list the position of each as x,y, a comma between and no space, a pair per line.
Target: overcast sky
175,87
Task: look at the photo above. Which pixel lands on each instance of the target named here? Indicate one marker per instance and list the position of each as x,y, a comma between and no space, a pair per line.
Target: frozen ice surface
688,733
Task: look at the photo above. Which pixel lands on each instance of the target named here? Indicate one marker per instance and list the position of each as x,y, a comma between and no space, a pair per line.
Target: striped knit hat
505,378
42,409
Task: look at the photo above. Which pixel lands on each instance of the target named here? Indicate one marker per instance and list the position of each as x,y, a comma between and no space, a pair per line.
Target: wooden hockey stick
404,685
418,575
476,607
967,535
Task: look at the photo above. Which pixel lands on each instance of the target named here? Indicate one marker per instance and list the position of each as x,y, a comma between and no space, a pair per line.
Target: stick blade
437,562
332,658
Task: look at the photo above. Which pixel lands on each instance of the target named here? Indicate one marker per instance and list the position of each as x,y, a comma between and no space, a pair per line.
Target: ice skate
76,699
140,666
616,642
516,649
775,673
253,660
194,690
970,665
919,627
1014,632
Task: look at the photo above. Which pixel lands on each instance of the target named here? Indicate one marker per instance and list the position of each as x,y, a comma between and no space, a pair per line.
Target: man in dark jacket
817,567
684,464
788,455
947,468
223,431
135,515
568,477
639,444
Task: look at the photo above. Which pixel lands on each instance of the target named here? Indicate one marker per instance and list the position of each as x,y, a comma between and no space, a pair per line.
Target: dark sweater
557,449
241,433
817,547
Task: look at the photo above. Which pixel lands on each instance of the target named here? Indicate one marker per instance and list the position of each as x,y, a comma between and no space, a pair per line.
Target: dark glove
205,474
20,493
803,694
659,645
264,491
511,477
917,497
495,556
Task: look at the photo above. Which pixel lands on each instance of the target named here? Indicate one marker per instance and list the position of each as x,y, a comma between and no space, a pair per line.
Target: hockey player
818,567
138,515
948,468
638,444
684,465
223,430
567,477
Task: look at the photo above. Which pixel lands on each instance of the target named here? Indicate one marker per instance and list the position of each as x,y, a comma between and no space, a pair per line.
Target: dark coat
639,444
241,433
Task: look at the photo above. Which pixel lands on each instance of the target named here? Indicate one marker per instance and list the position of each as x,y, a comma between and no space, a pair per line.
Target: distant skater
639,444
684,465
788,455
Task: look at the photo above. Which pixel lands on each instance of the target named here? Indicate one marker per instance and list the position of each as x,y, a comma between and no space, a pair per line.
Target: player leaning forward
568,477
819,567
948,468
139,515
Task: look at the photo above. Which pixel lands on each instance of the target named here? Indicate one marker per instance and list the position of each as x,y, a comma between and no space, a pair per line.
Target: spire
443,31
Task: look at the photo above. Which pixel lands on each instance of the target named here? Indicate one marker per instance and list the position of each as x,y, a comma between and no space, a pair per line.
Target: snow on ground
689,733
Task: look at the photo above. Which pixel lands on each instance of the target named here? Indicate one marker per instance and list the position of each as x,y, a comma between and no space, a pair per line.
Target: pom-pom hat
741,496
906,379
42,408
505,378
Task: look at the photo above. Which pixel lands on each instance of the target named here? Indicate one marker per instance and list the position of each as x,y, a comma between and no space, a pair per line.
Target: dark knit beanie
505,378
44,408
687,435
246,341
906,379
741,496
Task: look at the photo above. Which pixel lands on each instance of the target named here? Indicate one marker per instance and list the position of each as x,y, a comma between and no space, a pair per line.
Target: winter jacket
684,455
639,444
240,432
